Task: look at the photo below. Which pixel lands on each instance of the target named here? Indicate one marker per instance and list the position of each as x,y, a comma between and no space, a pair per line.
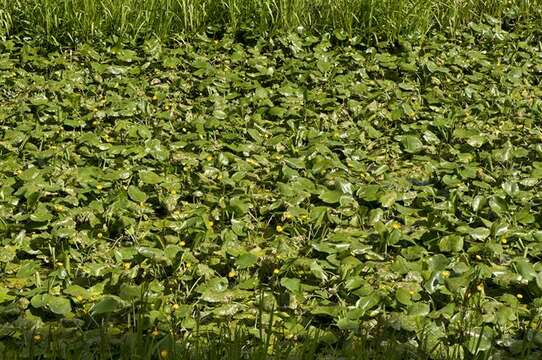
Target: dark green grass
104,343
74,20
138,339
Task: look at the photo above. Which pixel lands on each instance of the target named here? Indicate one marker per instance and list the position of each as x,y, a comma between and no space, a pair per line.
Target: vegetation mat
297,187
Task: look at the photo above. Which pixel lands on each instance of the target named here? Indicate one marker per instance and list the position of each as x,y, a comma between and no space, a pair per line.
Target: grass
138,342
237,343
76,20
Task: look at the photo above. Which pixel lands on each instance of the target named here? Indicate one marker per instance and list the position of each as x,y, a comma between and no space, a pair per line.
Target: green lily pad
411,144
246,260
107,304
480,233
136,194
293,285
331,197
41,214
149,177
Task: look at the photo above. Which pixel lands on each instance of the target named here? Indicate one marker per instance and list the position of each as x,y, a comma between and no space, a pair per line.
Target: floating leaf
480,233
293,285
476,140
136,194
403,296
41,214
388,198
58,305
239,205
412,144
149,177
479,340
246,260
107,304
451,243
331,197
418,309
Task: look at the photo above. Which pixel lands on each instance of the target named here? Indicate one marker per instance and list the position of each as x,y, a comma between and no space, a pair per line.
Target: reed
76,20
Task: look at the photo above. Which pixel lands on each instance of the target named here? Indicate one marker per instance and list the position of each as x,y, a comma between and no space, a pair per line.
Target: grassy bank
76,20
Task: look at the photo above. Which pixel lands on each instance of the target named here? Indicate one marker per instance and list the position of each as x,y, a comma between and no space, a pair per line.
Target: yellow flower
504,240
412,293
126,266
287,216
79,298
155,97
478,257
99,186
36,338
164,354
276,271
279,228
396,225
480,287
519,296
175,307
188,265
232,274
156,332
100,235
173,192
209,158
445,274
182,243
211,223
